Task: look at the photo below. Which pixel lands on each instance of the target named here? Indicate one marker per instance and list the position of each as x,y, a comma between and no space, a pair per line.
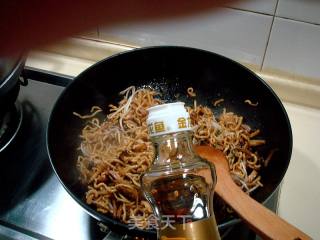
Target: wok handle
260,219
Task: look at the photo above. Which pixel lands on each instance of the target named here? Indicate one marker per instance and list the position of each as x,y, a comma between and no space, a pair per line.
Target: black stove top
33,204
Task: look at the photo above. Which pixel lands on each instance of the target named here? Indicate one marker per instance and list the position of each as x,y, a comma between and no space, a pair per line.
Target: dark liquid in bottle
184,197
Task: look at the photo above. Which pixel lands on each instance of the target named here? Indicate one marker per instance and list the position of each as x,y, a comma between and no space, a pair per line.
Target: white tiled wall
237,34
303,10
294,47
281,35
260,6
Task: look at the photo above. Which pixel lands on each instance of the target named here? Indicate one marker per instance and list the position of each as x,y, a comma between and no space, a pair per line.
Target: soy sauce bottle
179,185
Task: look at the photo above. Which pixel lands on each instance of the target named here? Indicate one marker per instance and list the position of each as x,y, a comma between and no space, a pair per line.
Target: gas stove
33,203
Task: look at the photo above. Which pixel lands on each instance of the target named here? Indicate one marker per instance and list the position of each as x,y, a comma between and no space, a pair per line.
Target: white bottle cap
168,118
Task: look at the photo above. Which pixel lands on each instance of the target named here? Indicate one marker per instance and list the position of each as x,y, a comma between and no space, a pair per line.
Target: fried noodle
116,150
229,134
114,154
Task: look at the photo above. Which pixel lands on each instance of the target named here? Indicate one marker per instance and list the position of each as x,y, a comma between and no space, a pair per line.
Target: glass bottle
179,185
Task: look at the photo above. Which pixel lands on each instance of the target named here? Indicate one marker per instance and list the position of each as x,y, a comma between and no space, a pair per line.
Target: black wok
170,70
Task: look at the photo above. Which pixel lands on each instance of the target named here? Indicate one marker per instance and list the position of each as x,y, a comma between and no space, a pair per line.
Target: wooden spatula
260,219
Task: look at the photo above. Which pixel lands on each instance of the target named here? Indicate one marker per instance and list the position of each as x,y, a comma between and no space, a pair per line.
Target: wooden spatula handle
263,221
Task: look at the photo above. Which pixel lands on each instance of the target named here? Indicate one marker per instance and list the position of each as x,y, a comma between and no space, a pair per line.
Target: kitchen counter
300,195
300,192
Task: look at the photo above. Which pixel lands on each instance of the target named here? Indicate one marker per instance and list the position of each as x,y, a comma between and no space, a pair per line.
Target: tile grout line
269,36
273,15
251,11
299,21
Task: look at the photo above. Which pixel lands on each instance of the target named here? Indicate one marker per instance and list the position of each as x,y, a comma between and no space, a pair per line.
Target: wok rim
108,219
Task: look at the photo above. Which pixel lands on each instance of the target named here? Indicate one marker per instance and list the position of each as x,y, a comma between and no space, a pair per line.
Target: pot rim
12,77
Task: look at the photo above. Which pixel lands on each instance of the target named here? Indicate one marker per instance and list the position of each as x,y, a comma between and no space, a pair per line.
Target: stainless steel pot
10,70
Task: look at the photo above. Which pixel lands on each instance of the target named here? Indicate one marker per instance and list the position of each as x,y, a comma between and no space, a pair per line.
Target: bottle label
198,230
168,118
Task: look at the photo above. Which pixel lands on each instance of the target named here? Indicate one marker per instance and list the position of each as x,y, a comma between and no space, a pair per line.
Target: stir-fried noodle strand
115,151
229,134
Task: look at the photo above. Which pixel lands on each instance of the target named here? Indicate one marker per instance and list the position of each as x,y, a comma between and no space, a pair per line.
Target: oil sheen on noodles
116,150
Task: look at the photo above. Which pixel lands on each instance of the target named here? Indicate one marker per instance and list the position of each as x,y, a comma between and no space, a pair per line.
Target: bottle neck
173,148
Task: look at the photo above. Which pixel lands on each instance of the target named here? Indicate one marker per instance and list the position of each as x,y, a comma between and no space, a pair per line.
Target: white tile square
294,48
303,10
236,34
260,6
